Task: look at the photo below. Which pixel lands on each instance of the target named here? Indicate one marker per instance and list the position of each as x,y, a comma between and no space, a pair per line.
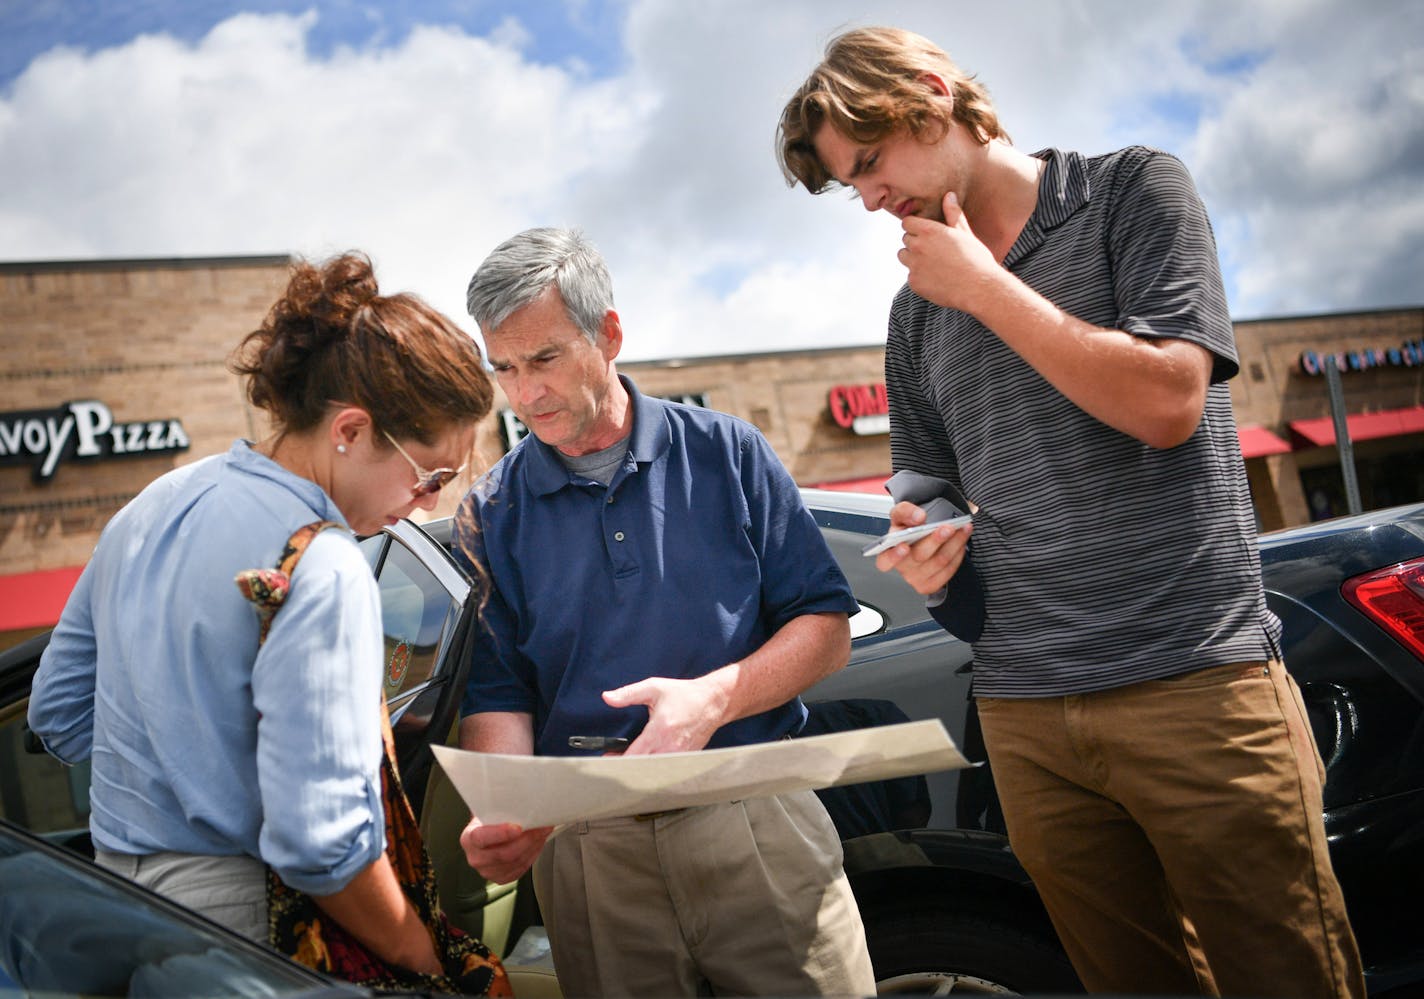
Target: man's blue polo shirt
697,551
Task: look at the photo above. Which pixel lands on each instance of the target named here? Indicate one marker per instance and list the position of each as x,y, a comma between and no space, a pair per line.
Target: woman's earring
341,449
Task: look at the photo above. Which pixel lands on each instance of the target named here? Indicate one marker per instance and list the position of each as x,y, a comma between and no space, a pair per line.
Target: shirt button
618,536
610,499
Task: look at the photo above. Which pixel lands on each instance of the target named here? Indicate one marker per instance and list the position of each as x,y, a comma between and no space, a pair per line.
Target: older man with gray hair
652,576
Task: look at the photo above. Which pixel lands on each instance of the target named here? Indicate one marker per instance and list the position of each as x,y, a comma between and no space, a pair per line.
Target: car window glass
372,547
418,616
68,929
37,792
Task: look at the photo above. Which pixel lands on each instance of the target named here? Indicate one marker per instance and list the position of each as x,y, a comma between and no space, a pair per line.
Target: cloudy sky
426,131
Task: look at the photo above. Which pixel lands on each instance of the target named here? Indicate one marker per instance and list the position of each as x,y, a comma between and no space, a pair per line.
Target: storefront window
1385,480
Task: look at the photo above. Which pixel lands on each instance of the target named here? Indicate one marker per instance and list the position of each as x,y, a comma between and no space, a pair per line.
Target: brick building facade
115,372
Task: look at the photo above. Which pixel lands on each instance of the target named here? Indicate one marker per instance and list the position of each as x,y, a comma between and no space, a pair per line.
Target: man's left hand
682,714
929,563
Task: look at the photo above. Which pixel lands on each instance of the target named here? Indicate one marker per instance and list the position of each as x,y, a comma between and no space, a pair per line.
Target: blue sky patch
589,33
1217,60
724,278
1177,109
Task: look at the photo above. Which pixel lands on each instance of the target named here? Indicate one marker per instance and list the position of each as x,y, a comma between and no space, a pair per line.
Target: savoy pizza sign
85,430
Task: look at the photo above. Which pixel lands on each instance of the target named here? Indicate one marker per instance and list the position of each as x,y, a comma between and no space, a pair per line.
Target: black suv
946,905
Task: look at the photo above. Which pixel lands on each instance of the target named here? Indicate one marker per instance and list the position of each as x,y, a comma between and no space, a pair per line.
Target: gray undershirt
599,466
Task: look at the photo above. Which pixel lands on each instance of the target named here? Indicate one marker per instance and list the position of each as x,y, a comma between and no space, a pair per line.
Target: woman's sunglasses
425,482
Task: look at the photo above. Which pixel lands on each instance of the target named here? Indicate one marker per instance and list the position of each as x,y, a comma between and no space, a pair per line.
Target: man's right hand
947,263
928,564
502,853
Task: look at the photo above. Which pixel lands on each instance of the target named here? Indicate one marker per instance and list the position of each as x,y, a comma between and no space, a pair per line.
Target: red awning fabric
34,599
1257,441
874,484
1320,432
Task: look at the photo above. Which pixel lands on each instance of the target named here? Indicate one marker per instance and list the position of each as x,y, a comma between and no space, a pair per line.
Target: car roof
865,504
1409,517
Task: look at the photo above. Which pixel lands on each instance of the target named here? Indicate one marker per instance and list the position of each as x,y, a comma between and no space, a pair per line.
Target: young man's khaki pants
1174,811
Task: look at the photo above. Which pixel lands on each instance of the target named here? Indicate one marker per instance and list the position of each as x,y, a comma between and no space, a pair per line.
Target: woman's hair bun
327,298
332,336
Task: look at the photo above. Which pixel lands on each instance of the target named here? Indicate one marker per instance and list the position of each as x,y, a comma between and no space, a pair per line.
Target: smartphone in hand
910,534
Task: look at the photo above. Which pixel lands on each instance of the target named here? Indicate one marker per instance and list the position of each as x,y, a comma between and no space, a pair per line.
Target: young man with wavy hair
1060,353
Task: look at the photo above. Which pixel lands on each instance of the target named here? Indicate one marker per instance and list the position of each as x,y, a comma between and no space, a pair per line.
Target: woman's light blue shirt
201,743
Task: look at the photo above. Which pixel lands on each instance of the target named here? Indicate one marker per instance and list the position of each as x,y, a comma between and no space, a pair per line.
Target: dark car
68,927
946,904
1350,593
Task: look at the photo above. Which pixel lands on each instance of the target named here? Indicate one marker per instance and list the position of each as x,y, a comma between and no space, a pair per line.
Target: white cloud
1318,160
424,155
1309,153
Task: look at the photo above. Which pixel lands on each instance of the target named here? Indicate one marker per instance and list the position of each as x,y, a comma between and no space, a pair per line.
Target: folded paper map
550,790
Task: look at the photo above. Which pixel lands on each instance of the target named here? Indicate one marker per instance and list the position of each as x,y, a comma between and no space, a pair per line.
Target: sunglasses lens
433,482
425,482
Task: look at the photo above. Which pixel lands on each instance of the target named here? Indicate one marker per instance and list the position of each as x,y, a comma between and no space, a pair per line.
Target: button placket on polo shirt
618,532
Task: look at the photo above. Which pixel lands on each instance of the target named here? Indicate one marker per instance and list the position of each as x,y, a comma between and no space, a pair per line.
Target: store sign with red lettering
862,409
84,431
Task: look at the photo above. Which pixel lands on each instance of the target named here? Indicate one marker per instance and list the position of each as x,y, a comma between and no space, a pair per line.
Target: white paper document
550,790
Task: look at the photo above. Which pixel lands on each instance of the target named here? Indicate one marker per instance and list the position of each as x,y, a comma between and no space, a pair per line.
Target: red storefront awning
1362,426
1257,441
34,599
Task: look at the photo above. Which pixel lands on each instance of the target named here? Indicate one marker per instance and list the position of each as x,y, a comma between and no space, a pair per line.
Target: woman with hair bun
222,747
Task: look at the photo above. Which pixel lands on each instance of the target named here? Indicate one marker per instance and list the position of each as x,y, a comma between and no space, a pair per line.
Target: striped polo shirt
1105,561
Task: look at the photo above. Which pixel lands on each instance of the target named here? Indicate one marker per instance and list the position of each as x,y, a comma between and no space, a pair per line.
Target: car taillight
1394,599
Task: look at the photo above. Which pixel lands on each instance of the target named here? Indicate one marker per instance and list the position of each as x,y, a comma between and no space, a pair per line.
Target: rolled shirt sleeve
316,686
